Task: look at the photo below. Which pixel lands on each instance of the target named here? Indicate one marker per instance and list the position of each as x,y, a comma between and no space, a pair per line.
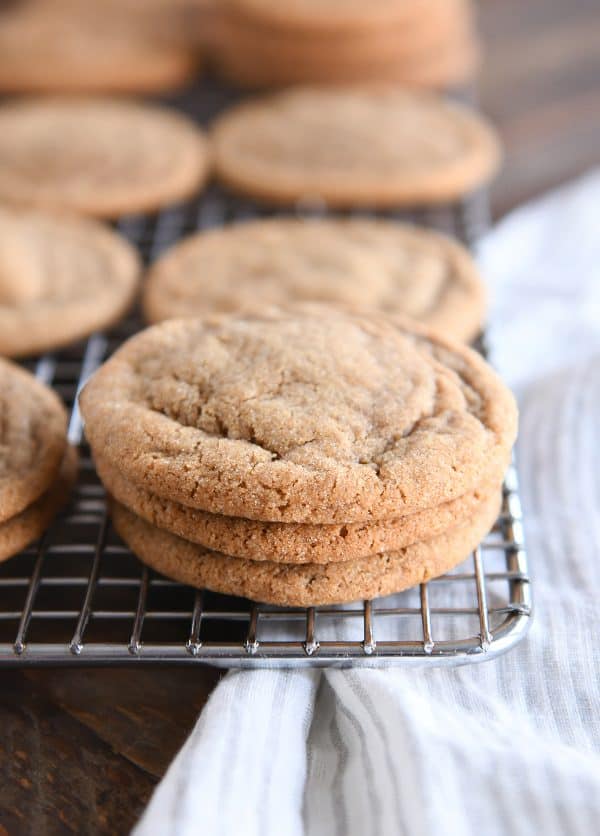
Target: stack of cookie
299,456
367,264
37,467
266,43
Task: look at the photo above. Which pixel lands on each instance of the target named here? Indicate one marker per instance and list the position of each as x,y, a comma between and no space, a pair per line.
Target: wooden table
81,750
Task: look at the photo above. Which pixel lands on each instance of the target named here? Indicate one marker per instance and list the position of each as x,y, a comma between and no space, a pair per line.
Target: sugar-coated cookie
308,415
103,157
61,278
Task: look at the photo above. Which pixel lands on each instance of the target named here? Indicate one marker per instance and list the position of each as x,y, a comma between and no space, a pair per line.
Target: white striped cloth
510,746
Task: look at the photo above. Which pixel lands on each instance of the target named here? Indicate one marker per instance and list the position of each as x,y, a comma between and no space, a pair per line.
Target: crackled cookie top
60,279
371,264
33,427
101,157
376,146
305,415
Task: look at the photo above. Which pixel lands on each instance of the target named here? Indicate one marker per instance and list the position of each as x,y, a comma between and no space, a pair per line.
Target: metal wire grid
80,597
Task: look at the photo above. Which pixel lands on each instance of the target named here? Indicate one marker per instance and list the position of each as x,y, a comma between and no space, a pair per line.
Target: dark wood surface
540,84
80,750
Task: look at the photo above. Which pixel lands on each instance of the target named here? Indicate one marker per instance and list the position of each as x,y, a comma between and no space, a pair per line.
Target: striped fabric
510,746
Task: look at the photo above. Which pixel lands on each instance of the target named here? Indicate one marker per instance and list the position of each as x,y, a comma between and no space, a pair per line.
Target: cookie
289,542
367,264
325,15
250,67
446,69
33,430
302,585
61,279
307,415
183,23
103,157
254,54
56,51
29,525
372,146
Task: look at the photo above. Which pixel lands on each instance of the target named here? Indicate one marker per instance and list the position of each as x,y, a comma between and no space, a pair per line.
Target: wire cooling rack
80,596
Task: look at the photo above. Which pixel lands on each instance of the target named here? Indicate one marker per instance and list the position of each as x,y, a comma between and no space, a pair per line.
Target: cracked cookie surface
372,146
306,415
308,584
371,264
61,278
33,430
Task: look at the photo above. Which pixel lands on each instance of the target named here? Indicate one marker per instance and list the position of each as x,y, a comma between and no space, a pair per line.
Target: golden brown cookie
307,415
249,66
368,264
33,429
51,50
290,542
304,585
61,278
370,146
327,16
27,526
252,53
101,157
183,23
449,67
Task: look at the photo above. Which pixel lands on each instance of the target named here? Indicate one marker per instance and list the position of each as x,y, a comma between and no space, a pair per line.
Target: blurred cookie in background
186,23
61,279
263,43
102,157
69,46
326,17
374,147
363,264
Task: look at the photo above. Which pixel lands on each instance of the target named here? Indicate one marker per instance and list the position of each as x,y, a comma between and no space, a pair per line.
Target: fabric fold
510,746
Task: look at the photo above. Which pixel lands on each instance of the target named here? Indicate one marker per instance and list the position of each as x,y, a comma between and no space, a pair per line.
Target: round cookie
249,66
27,526
103,157
182,23
309,584
365,146
61,278
290,542
308,415
257,55
52,51
33,430
367,264
326,15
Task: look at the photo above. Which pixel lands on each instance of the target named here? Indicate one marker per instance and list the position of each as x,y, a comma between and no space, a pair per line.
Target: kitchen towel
507,746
